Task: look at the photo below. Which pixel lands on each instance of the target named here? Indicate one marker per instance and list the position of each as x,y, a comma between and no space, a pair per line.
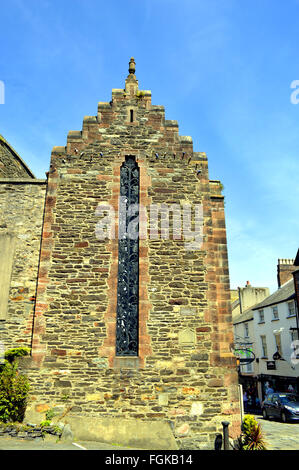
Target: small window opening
131,115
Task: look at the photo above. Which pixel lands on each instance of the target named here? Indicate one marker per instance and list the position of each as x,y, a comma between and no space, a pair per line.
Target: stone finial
132,66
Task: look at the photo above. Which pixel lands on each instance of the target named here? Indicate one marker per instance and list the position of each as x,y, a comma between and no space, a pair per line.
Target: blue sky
223,69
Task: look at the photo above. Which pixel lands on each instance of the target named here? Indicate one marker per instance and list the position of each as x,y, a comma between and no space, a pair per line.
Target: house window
264,346
131,115
278,343
261,316
247,368
291,309
275,313
246,330
294,335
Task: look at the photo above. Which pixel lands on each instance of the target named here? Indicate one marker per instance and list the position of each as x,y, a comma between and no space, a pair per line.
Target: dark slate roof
296,262
244,317
284,293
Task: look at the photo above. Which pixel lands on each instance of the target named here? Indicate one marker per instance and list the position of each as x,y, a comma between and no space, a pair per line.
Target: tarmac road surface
12,443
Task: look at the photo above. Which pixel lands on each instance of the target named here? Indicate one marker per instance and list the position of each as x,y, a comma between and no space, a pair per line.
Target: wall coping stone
22,181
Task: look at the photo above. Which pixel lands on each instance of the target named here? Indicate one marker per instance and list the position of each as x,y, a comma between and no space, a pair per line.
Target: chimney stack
285,268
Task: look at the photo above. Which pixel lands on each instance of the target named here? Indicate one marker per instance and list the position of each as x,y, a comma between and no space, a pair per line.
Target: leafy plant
44,423
50,414
14,389
252,437
249,423
11,354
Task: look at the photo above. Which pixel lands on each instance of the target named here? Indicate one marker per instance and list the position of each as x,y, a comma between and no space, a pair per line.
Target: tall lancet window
128,260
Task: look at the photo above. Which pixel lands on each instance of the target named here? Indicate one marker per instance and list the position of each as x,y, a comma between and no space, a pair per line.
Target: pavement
278,435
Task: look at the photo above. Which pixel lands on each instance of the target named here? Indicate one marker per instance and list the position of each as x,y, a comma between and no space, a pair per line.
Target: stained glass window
128,260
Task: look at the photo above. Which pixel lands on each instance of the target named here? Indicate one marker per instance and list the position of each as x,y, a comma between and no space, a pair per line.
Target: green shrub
252,437
249,423
11,354
46,422
14,388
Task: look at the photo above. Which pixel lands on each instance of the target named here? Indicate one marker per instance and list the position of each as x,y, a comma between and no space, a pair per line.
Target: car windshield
289,398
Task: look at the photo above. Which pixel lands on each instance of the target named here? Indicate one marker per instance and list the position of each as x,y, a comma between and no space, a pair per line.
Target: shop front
276,383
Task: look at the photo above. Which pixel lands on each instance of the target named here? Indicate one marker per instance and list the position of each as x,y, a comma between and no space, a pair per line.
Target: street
278,435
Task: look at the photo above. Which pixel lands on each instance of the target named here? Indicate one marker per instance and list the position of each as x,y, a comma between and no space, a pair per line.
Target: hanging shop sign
244,355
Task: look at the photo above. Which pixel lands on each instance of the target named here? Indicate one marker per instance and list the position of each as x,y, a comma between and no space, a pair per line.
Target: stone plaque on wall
7,249
187,338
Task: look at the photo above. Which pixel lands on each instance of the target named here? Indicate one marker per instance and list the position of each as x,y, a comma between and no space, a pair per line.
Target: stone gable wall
185,373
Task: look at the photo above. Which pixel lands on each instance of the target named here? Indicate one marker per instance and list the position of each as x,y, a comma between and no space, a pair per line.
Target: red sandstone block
41,306
231,379
81,244
74,171
42,408
59,256
51,186
58,352
50,201
215,383
45,255
47,234
104,177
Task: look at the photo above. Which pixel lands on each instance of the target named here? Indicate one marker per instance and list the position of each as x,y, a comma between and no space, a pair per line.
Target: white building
275,330
244,334
268,326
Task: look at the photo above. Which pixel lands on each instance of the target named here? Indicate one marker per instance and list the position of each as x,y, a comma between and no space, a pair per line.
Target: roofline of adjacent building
4,141
22,181
276,303
243,321
261,305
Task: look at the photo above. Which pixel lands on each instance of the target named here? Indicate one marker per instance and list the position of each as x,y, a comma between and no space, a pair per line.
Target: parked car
284,406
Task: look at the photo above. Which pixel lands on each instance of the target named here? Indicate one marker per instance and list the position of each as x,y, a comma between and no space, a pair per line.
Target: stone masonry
22,200
185,373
